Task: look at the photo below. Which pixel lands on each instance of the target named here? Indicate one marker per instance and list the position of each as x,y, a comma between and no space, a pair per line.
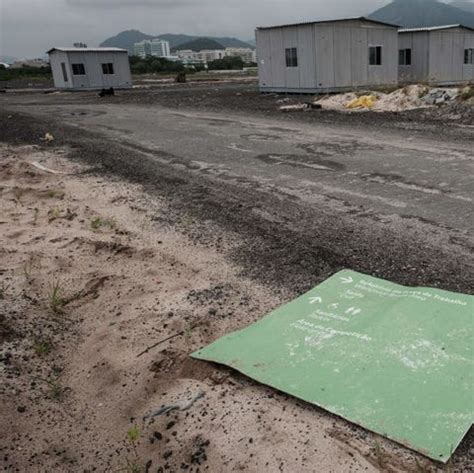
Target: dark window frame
375,55
468,56
78,69
291,57
108,68
404,57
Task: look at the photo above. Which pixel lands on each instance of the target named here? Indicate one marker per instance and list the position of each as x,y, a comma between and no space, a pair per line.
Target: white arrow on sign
313,300
346,280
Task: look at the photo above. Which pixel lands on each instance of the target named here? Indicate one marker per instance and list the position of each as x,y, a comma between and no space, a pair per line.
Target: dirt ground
115,251
74,388
73,383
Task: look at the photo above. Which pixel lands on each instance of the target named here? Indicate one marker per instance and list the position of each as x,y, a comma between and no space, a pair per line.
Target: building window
291,55
63,67
78,69
469,56
375,55
108,68
404,57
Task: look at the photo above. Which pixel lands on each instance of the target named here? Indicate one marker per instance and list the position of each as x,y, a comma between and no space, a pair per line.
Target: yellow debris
48,137
364,101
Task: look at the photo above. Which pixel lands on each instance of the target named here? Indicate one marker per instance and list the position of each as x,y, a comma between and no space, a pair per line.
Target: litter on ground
395,360
407,98
364,101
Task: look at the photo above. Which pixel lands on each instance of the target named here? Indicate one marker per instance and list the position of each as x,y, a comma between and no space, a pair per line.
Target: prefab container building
327,56
438,55
90,68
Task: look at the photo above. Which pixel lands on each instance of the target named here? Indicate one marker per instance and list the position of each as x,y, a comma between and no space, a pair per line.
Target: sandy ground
73,389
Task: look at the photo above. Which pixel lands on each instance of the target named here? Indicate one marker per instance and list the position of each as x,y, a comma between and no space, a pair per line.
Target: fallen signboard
395,360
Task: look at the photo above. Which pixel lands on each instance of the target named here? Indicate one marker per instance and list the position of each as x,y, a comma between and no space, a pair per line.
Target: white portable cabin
90,68
327,56
438,55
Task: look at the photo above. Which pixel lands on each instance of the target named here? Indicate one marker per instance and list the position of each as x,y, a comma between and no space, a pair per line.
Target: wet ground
305,195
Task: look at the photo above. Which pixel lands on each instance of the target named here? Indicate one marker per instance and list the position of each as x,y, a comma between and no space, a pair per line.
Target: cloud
30,27
112,4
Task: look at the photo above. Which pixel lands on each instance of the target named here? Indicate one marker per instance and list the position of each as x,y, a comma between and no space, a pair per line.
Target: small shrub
18,194
28,269
56,302
3,290
56,193
99,222
53,214
35,216
41,347
467,93
133,466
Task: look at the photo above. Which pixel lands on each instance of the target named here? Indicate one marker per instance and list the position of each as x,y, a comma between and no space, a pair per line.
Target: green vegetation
56,193
467,93
154,65
133,466
26,72
53,214
98,222
3,289
56,302
41,347
28,269
226,64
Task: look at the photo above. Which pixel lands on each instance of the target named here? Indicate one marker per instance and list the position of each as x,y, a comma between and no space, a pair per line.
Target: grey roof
433,28
304,23
85,50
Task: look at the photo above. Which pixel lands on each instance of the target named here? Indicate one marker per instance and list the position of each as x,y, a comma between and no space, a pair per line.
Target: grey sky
29,27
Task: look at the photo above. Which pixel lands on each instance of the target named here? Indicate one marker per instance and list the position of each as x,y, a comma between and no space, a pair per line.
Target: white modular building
438,55
90,68
327,56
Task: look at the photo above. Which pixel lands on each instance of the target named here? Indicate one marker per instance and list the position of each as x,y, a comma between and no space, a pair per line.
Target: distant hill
126,40
7,59
199,44
418,13
463,5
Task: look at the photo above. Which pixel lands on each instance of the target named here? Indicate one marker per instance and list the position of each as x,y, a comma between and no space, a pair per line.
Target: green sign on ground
395,360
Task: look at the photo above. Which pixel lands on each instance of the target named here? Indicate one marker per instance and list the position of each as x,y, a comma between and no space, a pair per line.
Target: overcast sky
29,27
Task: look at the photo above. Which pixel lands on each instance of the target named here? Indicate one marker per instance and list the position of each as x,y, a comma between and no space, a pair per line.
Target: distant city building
188,57
247,55
29,63
211,54
153,47
80,45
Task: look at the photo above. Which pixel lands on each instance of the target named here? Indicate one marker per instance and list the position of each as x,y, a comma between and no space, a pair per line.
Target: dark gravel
293,249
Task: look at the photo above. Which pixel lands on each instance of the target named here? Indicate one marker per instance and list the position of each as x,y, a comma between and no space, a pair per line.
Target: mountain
199,44
7,59
418,13
463,5
126,40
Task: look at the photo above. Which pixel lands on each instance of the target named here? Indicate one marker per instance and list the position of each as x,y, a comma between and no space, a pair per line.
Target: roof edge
71,49
337,20
427,29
